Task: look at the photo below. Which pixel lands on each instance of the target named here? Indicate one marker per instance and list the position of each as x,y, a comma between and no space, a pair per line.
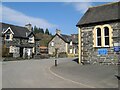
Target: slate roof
19,32
68,38
100,14
74,39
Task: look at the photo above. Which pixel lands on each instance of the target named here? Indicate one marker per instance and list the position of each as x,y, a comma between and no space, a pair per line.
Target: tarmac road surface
33,74
43,74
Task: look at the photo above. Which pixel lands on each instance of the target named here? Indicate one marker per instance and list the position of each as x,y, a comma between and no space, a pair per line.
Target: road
93,76
43,74
33,74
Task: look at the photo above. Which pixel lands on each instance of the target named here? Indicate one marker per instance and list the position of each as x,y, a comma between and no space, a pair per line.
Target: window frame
95,41
106,37
31,39
8,39
98,37
52,43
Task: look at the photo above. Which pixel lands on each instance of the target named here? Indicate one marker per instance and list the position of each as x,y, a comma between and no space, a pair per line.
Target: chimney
58,31
29,27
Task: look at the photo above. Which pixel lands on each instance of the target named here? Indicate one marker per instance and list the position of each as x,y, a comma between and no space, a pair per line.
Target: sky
52,15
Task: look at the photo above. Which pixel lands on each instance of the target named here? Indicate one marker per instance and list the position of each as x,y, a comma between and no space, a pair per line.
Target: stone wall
18,42
73,47
58,43
37,49
91,53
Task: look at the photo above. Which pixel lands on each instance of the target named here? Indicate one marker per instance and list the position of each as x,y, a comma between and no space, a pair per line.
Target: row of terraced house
21,42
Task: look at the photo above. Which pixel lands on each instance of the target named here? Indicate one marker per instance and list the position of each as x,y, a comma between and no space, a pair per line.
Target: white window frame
31,39
9,37
52,44
71,43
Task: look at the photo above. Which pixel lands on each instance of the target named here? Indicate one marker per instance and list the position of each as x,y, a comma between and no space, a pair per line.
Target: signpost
116,47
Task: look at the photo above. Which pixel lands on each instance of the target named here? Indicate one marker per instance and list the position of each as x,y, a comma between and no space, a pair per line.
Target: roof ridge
12,25
65,34
110,3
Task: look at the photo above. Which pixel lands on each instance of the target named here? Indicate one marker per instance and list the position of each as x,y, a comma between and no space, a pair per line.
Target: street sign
102,51
116,48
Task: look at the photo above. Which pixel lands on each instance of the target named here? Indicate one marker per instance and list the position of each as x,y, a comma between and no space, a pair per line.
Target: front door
21,51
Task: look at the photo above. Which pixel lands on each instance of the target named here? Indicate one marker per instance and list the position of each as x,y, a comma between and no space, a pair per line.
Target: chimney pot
58,31
29,27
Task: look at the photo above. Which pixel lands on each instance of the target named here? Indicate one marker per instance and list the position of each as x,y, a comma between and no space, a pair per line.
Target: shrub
45,56
62,54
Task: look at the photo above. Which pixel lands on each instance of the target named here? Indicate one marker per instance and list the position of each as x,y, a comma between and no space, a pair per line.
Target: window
102,36
31,40
71,43
98,36
11,49
106,36
52,43
8,37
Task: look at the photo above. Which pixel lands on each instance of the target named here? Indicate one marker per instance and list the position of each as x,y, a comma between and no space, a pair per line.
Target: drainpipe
79,45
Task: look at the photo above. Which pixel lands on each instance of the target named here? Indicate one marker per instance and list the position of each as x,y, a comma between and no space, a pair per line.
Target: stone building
63,43
99,33
18,41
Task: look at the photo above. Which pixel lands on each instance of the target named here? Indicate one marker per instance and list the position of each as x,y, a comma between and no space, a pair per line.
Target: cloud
11,15
0,12
82,6
59,0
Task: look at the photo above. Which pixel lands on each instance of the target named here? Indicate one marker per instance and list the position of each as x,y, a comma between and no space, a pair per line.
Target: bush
62,54
71,55
45,56
5,51
51,55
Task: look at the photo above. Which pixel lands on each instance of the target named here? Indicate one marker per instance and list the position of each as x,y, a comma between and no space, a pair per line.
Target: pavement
0,75
90,75
42,73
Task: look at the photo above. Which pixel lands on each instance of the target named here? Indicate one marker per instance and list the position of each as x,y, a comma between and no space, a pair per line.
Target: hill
45,38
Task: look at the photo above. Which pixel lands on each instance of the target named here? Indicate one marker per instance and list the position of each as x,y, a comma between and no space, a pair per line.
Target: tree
32,29
41,30
36,30
47,32
50,34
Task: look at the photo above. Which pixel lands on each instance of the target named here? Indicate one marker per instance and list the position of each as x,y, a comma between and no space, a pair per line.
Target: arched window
106,36
98,36
102,36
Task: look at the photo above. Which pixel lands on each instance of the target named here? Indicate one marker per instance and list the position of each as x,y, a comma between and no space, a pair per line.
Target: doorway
21,51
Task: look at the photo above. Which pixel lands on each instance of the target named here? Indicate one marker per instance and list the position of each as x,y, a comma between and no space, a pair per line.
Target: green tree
50,34
32,29
36,30
41,30
47,32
